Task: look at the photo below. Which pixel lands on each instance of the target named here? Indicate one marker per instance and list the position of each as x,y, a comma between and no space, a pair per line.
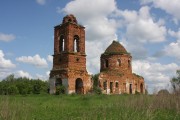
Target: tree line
12,86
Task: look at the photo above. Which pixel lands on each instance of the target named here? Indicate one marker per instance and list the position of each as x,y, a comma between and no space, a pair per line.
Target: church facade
69,64
116,75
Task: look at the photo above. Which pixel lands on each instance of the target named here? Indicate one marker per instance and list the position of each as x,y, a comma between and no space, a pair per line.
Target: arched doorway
58,82
141,88
79,86
59,86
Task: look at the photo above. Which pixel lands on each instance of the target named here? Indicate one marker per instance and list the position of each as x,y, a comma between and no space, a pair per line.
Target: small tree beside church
175,82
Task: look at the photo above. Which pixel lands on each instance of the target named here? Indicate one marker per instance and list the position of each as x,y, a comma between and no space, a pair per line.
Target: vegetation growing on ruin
137,75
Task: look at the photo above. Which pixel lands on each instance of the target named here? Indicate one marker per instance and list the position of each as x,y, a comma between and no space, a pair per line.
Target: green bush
12,90
137,93
37,88
60,89
23,86
97,90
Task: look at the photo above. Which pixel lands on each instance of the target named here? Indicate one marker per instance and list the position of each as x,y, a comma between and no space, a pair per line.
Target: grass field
90,107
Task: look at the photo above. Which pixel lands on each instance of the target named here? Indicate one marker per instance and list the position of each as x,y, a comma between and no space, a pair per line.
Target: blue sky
149,30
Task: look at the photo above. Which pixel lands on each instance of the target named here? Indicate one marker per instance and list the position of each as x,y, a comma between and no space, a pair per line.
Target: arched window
106,63
76,43
129,63
61,44
119,62
117,84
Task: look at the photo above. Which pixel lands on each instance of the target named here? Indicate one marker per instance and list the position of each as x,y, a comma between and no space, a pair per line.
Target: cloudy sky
149,30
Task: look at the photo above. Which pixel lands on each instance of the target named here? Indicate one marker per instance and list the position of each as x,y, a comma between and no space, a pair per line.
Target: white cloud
5,63
141,27
174,34
47,73
173,49
7,37
170,6
156,75
94,15
42,77
94,8
100,29
50,58
5,66
41,2
21,73
102,19
35,60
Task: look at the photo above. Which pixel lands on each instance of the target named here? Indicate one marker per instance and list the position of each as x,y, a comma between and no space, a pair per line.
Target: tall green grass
90,107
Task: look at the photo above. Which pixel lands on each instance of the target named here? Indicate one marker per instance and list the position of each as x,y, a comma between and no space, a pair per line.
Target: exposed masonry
69,64
69,59
116,75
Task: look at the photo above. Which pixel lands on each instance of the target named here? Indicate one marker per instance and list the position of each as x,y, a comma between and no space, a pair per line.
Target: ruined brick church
69,64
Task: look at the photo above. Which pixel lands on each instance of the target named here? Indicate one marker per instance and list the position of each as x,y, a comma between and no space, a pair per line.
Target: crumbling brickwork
69,59
69,64
116,75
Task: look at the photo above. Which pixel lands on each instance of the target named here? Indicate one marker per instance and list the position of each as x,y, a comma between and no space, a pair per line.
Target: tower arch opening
79,86
58,82
76,43
61,43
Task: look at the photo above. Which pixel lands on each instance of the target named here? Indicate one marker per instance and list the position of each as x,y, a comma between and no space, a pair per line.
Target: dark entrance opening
141,88
59,86
105,85
111,87
130,88
79,86
58,82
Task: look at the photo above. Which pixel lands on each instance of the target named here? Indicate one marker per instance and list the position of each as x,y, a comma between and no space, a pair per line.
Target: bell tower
69,59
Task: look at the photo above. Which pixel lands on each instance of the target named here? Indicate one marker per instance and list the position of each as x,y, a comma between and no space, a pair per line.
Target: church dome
115,48
69,19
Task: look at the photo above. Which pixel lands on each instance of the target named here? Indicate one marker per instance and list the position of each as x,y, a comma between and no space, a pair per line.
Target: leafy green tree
10,78
23,86
12,90
175,82
95,80
96,88
37,87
